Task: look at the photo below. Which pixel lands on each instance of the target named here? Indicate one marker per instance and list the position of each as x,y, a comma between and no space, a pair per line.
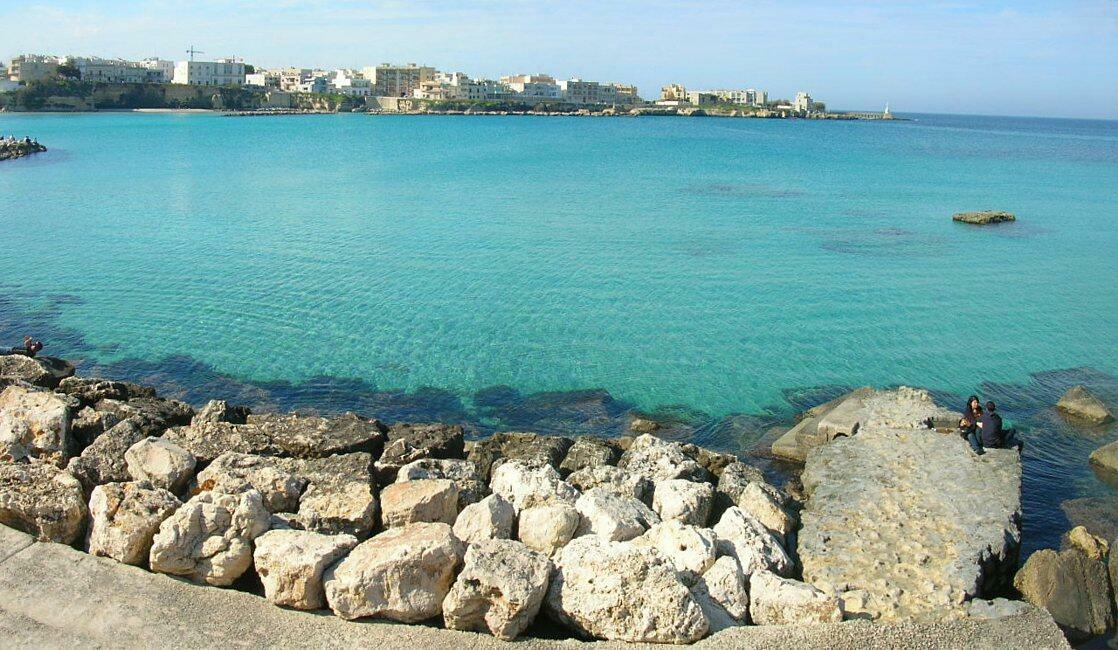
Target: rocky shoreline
11,148
632,539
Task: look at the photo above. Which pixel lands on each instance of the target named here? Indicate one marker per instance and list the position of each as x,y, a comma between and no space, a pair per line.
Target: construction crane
193,51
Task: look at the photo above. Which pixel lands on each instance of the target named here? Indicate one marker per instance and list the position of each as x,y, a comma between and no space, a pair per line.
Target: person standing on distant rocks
993,435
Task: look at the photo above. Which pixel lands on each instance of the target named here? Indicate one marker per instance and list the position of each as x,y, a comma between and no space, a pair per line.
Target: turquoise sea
556,273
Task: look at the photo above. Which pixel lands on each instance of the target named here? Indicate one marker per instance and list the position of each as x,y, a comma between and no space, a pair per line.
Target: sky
1042,58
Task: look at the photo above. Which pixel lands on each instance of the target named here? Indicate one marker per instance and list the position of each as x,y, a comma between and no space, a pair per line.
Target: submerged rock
1072,587
1081,404
124,518
1106,457
34,424
290,564
43,501
500,589
984,217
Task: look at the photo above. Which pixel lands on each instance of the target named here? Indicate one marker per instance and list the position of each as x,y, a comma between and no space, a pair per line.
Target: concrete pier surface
55,596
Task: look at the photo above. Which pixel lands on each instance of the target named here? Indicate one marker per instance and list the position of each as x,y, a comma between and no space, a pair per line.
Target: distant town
49,82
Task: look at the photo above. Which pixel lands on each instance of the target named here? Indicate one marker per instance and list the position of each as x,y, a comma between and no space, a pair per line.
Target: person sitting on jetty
968,425
30,347
992,434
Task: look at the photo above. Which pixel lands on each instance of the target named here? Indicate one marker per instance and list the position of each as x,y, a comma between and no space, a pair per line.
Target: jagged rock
89,424
491,518
525,485
233,473
643,425
89,391
209,539
500,589
984,217
659,460
611,517
1081,404
1092,546
218,410
621,482
340,496
162,462
471,488
912,517
618,591
684,501
42,500
208,440
410,442
402,574
153,415
38,371
124,518
425,500
712,461
549,527
723,594
987,610
1112,570
767,509
103,461
588,451
780,601
34,424
691,550
1106,457
735,478
290,564
744,537
531,448
304,436
1072,587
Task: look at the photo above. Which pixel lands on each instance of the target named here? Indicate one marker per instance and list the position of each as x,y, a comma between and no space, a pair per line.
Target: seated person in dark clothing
29,348
968,424
993,435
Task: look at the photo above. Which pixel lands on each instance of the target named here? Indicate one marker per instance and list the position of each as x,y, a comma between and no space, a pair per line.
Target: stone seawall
633,539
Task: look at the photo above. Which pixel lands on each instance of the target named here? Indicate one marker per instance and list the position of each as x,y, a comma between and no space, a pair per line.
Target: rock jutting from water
641,540
1079,403
16,148
984,217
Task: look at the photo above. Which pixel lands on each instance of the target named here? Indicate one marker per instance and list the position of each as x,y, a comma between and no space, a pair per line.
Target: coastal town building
802,103
223,72
351,83
673,93
398,80
113,71
159,70
578,91
263,79
540,87
701,98
32,67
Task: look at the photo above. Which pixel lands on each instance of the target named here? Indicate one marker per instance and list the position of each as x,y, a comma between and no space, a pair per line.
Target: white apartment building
533,86
802,103
744,97
351,82
159,70
223,72
32,67
577,91
112,71
263,79
398,80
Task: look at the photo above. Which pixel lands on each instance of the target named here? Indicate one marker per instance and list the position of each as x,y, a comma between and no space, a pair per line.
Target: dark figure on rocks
991,433
30,347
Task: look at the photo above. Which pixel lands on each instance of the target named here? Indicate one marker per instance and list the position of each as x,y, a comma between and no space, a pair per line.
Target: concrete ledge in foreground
54,596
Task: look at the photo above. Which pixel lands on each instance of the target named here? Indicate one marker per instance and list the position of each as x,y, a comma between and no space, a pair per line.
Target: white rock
209,539
124,519
290,563
767,509
426,500
34,424
618,591
162,462
780,601
42,500
659,460
233,473
464,473
500,589
612,517
723,593
690,549
549,527
621,482
525,485
684,501
491,518
745,538
402,574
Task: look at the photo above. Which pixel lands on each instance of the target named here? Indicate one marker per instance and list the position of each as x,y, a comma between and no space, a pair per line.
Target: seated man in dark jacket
992,433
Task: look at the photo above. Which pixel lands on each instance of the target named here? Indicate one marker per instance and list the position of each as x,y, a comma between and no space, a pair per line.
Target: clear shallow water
710,267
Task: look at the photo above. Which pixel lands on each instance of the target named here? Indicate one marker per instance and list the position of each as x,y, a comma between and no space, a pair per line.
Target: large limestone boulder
491,518
43,501
207,440
34,424
684,501
618,591
410,442
306,436
88,424
743,537
1090,545
1072,587
531,448
909,518
549,527
588,451
90,390
1106,457
774,600
209,539
766,507
471,488
690,549
500,589
234,473
161,462
154,415
218,410
659,460
621,482
611,517
340,495
723,594
38,371
124,518
526,485
290,564
402,574
1081,404
425,500
103,461
984,217
734,479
